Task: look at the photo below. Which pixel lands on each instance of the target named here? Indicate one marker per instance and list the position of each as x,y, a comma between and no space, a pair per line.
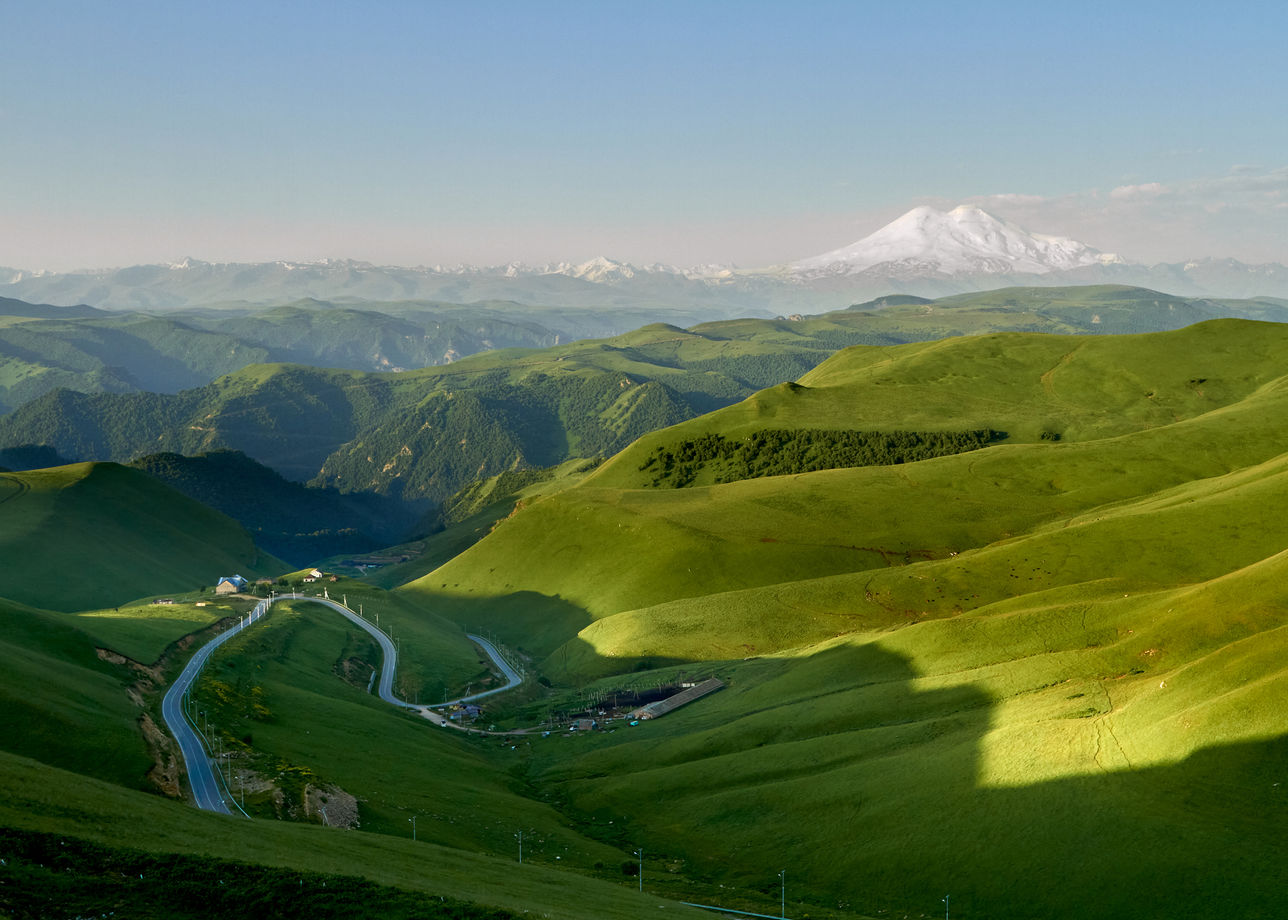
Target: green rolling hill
76,825
1190,419
98,534
1005,673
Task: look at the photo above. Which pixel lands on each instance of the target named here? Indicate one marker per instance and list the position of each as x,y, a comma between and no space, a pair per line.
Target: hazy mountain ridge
925,251
598,285
425,433
46,347
293,522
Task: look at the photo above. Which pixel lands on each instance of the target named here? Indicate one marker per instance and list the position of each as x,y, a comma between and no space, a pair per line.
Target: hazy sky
421,132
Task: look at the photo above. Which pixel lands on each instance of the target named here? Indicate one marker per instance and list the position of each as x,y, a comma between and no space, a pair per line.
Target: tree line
781,452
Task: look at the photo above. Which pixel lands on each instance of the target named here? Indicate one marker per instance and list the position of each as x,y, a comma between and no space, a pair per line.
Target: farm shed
683,698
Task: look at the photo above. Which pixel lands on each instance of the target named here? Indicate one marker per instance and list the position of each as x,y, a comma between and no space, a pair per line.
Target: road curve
389,665
207,786
512,677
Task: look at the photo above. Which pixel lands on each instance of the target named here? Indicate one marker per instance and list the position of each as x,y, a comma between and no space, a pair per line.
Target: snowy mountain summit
965,240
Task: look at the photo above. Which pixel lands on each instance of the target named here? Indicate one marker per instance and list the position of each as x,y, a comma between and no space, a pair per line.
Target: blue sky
755,133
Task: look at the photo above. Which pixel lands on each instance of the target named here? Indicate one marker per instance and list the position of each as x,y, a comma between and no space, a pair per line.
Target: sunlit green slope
1135,415
1008,674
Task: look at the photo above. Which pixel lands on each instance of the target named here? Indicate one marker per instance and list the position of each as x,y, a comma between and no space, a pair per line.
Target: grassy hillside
1007,674
93,535
467,517
61,703
72,830
769,531
45,800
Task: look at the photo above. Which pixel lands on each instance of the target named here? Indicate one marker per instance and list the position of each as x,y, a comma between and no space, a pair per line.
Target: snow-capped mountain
963,241
602,270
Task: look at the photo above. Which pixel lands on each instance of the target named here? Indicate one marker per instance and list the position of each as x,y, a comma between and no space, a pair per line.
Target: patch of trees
781,452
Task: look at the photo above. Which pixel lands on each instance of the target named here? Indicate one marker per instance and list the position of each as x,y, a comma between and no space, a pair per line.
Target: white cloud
1145,190
1009,198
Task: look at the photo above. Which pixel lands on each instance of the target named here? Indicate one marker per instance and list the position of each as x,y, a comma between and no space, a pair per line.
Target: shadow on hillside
531,623
869,789
577,664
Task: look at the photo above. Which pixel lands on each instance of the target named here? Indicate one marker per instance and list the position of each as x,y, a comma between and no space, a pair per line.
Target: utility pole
412,819
783,903
945,899
640,854
520,836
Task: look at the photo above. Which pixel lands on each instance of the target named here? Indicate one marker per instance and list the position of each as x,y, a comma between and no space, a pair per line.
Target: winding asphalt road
389,666
205,782
201,774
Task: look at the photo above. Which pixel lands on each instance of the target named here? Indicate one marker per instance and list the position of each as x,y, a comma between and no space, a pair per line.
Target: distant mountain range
423,434
926,252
